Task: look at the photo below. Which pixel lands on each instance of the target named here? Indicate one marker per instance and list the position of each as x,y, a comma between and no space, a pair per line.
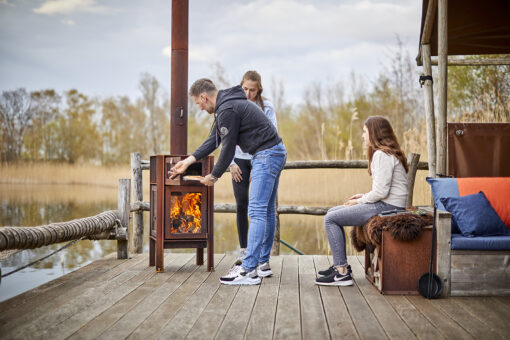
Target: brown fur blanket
403,227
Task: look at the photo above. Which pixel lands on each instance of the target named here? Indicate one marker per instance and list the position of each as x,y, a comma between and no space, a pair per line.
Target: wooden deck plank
390,321
61,307
193,307
287,321
364,320
475,327
105,298
313,319
261,323
414,319
132,302
55,291
444,324
161,286
206,326
493,314
118,299
46,291
337,315
151,327
236,317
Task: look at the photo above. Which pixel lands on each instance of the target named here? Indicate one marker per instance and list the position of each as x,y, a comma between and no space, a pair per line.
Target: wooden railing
138,206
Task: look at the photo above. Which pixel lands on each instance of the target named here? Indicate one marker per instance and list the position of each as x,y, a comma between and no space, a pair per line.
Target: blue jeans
267,166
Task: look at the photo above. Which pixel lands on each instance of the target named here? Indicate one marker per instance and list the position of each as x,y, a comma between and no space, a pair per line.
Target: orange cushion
496,189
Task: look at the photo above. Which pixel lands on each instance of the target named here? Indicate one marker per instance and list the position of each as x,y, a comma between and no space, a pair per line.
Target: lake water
32,205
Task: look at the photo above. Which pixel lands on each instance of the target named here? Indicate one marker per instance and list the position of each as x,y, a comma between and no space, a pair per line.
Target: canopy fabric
475,27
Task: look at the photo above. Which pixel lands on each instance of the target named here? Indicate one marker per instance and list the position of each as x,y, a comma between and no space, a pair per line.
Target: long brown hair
255,76
382,137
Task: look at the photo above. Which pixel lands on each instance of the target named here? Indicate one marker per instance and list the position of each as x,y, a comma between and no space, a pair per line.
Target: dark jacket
238,121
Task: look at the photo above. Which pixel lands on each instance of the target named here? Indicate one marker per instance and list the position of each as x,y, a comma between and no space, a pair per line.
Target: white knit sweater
389,181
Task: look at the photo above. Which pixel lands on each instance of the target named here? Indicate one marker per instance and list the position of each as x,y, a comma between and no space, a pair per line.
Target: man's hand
180,167
209,180
236,173
351,202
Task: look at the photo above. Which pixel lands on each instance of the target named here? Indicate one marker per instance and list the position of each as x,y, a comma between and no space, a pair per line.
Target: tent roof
474,27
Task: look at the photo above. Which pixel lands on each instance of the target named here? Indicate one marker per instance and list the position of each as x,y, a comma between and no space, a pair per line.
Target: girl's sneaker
335,279
331,269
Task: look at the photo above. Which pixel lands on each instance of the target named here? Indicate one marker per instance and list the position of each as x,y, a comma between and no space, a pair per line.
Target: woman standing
240,168
388,167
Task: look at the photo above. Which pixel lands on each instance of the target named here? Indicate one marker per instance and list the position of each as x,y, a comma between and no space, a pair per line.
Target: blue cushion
460,242
474,215
444,187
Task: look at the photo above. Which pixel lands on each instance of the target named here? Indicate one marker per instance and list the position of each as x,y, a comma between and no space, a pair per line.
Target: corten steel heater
181,214
181,211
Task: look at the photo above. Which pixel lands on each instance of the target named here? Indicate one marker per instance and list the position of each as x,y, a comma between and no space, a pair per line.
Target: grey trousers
338,217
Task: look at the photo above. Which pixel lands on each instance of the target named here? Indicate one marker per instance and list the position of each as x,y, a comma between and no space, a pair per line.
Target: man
241,122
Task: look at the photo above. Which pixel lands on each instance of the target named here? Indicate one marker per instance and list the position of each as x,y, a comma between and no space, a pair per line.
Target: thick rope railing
35,237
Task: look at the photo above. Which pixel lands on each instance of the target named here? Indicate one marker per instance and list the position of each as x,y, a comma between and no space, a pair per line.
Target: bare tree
15,117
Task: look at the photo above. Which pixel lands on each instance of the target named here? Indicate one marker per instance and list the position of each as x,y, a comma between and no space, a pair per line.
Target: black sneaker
335,279
331,269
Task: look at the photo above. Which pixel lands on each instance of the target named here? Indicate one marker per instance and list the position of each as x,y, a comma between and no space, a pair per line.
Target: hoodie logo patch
224,131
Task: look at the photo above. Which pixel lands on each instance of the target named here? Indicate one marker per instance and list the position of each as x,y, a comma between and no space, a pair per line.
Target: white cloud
68,22
6,2
69,6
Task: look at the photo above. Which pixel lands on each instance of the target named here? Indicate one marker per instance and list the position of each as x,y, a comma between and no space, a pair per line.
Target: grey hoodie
238,121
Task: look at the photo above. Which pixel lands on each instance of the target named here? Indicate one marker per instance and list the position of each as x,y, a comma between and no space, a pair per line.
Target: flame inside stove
185,216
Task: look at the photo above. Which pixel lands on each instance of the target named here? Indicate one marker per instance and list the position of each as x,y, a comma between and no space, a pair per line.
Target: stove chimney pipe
179,79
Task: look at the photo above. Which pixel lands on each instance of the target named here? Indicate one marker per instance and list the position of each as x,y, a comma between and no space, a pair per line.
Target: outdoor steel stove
181,214
181,211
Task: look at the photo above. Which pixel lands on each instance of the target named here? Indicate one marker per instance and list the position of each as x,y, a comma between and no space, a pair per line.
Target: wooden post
136,175
275,251
444,250
124,208
442,51
429,110
412,161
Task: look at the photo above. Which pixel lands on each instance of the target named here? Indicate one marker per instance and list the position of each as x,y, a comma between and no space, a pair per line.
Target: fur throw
402,227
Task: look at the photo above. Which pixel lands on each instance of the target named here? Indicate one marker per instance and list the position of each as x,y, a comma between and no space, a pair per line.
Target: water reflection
31,205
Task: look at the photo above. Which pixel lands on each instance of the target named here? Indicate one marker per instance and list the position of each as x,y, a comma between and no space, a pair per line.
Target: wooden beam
442,85
413,159
428,93
428,25
123,208
456,61
136,175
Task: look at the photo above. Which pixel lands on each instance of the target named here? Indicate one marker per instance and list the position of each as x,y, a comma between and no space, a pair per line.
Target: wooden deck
116,299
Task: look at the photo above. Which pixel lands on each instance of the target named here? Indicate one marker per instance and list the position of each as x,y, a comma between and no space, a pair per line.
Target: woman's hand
236,173
351,202
355,197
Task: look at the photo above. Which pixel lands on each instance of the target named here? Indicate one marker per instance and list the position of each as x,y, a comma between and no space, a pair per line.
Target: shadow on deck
116,299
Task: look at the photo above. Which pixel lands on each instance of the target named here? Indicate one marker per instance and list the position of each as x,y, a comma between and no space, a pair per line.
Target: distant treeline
72,127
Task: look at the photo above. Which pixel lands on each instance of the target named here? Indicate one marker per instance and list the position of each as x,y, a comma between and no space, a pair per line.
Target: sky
101,47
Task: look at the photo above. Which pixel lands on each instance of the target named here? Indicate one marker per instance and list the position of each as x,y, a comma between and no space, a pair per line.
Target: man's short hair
203,85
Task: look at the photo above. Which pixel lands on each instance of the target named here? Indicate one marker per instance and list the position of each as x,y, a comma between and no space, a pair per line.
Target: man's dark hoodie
238,121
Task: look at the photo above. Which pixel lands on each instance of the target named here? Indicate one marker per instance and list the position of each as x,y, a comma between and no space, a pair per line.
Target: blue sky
102,47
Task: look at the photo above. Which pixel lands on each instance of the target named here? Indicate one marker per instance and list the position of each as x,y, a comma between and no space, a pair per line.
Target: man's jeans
265,175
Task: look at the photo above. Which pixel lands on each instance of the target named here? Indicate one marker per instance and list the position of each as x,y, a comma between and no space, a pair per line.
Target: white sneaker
240,277
263,270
